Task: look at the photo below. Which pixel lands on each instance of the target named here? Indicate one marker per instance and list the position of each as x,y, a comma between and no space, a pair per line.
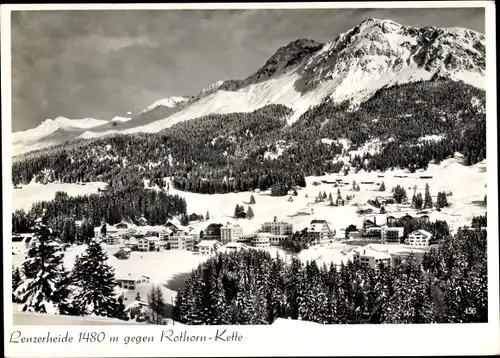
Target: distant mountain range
373,55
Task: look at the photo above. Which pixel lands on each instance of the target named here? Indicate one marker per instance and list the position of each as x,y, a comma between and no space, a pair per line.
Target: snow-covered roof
422,232
128,276
208,243
367,252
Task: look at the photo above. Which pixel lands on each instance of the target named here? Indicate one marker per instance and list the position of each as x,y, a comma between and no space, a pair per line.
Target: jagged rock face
285,58
378,47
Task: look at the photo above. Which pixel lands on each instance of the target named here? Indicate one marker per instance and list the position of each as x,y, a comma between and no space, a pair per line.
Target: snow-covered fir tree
45,288
95,282
16,280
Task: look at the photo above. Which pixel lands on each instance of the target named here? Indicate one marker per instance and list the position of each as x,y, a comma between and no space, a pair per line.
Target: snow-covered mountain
372,55
53,131
169,102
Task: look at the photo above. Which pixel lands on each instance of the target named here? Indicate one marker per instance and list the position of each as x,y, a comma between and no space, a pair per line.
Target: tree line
249,287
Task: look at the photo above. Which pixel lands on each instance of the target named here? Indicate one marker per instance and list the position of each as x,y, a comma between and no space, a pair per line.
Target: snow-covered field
469,189
26,196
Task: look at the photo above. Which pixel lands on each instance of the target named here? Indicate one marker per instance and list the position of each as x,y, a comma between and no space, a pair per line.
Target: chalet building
174,225
230,233
208,247
110,231
181,240
320,232
371,258
132,243
142,221
148,243
123,253
130,282
233,247
373,231
212,232
277,228
419,238
123,226
368,223
112,240
391,220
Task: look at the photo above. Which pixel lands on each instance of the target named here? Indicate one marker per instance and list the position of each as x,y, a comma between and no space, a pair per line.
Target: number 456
470,310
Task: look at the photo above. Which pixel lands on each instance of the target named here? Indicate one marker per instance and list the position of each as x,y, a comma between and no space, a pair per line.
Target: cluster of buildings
388,233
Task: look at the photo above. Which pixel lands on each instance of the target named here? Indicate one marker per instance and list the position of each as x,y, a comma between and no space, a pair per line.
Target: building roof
208,243
364,251
128,276
423,232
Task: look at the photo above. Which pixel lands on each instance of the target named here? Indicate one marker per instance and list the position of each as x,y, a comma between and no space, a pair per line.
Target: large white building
419,238
181,240
261,240
371,258
208,247
391,235
320,232
278,227
148,243
230,233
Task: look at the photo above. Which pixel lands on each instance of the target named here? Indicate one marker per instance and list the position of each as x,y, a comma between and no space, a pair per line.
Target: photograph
290,167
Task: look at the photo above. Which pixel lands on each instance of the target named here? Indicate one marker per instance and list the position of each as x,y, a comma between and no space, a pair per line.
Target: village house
304,211
132,243
174,225
233,247
142,221
368,223
129,282
392,235
277,227
112,240
391,220
424,218
419,238
230,233
320,232
208,247
371,258
123,253
181,240
123,226
148,243
406,219
110,231
354,234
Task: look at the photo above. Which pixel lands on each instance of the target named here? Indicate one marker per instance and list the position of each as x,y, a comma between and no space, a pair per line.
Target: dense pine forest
119,203
249,287
244,151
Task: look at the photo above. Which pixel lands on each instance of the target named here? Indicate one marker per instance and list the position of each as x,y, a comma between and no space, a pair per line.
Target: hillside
413,124
373,55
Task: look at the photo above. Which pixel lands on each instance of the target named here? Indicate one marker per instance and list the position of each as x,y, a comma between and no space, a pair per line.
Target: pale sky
103,64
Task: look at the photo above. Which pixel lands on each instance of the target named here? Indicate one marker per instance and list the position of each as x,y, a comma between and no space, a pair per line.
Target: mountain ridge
372,55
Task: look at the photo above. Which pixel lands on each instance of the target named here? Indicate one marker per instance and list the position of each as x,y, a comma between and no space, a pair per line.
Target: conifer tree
252,199
156,303
103,229
250,213
45,288
16,280
95,282
207,216
442,200
382,187
427,198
